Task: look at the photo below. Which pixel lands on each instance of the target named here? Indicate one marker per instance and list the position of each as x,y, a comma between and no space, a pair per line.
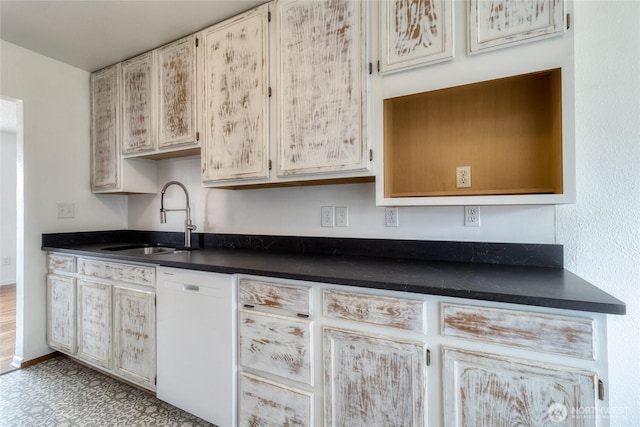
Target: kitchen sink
147,249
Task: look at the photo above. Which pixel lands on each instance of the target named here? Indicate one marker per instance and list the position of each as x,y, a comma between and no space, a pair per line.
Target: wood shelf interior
508,130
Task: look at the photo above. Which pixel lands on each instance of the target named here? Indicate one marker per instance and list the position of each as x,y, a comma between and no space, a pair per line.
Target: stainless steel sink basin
147,249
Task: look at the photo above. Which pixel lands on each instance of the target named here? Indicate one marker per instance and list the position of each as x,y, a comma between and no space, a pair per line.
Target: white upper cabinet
235,70
177,84
105,144
321,77
483,86
138,98
415,33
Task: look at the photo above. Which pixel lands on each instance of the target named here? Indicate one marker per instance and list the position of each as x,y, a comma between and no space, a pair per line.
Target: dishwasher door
196,343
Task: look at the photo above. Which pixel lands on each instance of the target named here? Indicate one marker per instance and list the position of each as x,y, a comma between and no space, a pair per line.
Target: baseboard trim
35,361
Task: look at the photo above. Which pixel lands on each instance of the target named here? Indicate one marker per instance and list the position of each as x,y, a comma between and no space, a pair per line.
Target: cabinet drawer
57,262
392,312
264,403
259,293
276,344
572,336
141,275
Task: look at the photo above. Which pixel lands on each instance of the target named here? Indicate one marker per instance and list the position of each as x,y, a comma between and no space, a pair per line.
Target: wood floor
7,326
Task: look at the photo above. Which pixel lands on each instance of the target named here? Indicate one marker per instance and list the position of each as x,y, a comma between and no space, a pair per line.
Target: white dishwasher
196,343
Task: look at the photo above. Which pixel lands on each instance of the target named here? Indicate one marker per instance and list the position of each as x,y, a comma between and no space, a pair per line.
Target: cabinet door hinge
268,16
568,21
269,91
270,165
155,380
197,136
600,390
197,42
428,357
371,155
370,68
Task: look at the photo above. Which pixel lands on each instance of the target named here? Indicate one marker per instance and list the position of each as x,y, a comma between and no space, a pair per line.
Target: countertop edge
601,303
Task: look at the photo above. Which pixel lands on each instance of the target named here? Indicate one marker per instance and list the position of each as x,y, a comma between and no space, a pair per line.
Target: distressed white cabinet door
482,389
415,32
94,322
105,128
134,343
138,95
268,404
177,86
61,304
373,381
321,76
276,344
236,98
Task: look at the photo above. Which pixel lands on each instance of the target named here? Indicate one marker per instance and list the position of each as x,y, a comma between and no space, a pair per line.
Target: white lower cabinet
373,381
267,403
103,313
483,389
134,332
276,354
94,323
314,354
61,307
279,345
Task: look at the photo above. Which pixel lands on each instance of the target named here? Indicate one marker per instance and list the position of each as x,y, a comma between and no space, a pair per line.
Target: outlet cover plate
391,217
472,216
342,216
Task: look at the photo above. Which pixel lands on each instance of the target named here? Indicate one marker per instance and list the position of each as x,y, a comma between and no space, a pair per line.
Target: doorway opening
11,226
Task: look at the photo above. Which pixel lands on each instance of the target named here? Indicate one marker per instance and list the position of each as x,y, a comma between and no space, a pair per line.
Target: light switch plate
66,210
327,216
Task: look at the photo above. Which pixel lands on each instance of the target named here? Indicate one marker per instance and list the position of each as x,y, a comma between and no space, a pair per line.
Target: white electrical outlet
472,216
342,216
463,177
391,217
327,216
66,210
6,260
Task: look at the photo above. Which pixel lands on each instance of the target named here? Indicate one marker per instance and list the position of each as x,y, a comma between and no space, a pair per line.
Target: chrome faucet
188,225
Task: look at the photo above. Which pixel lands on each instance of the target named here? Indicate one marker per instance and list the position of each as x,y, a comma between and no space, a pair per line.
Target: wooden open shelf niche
508,130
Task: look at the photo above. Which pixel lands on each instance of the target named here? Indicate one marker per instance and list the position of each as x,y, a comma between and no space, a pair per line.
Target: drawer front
392,312
258,293
276,344
572,336
264,403
65,263
141,275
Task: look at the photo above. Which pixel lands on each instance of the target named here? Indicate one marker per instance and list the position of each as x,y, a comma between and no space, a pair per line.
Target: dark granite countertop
493,272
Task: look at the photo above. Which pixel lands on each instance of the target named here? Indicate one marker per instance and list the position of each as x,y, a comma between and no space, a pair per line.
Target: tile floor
60,392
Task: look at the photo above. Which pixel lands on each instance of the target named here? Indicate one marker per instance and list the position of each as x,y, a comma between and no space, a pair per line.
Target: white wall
296,211
55,168
601,232
8,147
